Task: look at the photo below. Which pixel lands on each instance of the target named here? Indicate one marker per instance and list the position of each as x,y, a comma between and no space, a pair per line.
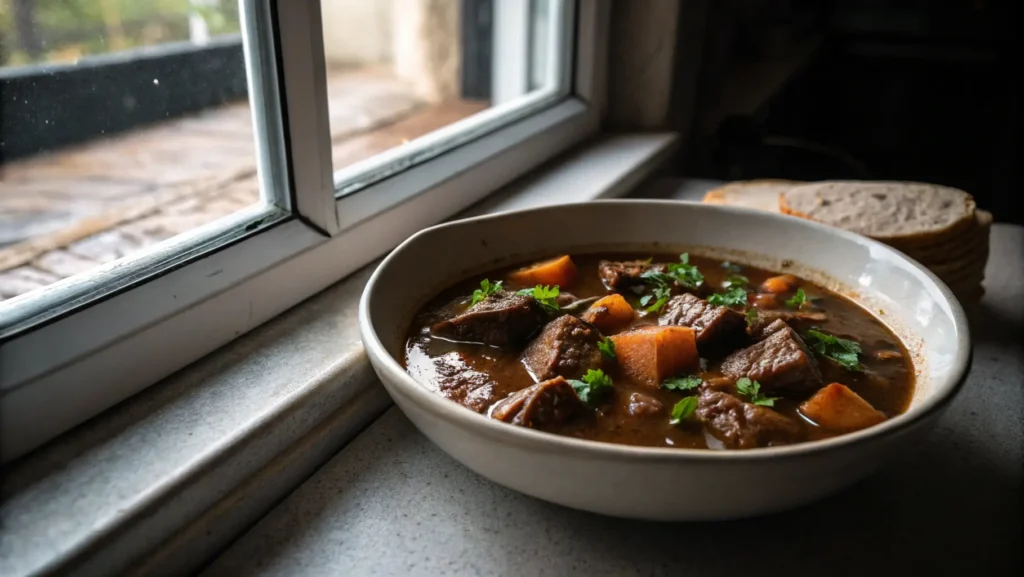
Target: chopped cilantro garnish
735,280
751,317
752,390
685,273
545,295
798,299
487,288
607,347
734,297
682,383
662,294
683,409
593,384
733,268
844,352
656,278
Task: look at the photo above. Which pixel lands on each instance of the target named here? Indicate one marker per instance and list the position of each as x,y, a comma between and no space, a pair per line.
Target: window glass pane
124,123
400,70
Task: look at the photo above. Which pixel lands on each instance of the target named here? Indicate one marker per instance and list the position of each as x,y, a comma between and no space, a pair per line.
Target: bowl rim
401,382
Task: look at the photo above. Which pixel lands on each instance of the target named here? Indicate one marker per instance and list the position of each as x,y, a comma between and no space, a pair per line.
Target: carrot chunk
780,284
609,314
651,354
559,271
838,408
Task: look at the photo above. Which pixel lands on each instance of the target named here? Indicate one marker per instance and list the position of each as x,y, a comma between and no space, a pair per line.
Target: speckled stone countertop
391,503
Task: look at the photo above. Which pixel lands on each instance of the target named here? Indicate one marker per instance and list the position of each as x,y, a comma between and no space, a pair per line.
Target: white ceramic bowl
666,483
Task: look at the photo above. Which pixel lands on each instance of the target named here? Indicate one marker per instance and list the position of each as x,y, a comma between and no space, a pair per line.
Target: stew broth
638,411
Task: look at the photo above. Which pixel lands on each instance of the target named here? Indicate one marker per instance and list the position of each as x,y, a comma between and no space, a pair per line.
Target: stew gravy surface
493,373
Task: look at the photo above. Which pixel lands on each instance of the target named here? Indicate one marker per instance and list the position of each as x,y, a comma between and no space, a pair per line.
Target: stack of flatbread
938,226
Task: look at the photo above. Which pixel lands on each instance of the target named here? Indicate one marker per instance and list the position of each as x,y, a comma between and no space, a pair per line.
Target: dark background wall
908,90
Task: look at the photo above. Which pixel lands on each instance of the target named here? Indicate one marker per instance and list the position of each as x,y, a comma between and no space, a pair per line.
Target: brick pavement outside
66,212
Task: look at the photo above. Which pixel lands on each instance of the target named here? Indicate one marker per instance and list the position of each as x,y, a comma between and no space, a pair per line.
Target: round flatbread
911,213
967,243
960,268
762,194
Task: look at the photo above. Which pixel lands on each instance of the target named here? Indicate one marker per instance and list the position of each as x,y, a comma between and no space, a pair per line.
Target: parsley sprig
682,383
735,280
734,297
661,295
843,351
682,272
544,295
487,288
592,386
607,347
798,300
751,316
752,390
683,409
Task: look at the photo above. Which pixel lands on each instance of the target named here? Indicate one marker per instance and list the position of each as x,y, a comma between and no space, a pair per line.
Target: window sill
193,461
392,503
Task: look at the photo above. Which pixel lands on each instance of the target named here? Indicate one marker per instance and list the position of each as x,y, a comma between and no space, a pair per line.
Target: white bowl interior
919,309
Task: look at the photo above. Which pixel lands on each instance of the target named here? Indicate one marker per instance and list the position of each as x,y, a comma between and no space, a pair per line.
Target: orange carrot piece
651,354
780,284
609,314
559,271
837,408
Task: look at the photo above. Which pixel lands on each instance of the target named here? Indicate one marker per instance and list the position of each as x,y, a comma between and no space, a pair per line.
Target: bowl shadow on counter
941,511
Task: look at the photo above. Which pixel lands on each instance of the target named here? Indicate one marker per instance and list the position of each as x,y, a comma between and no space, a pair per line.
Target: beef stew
663,351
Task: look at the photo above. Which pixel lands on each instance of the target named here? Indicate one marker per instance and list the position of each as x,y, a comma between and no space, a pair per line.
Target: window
261,151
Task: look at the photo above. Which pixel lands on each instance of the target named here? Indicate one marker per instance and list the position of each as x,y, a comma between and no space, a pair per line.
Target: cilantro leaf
684,273
735,280
487,288
682,383
733,268
683,409
662,293
798,299
544,295
734,297
843,351
607,347
752,390
593,384
751,317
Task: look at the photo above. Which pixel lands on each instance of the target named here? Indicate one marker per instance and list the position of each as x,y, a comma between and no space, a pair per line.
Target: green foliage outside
65,30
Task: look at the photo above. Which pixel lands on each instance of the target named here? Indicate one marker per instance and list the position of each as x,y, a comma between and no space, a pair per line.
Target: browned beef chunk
768,320
502,319
618,275
456,380
716,328
566,347
761,330
540,406
641,405
781,362
741,425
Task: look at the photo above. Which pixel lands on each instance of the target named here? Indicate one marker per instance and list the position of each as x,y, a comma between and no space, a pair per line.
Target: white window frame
231,276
